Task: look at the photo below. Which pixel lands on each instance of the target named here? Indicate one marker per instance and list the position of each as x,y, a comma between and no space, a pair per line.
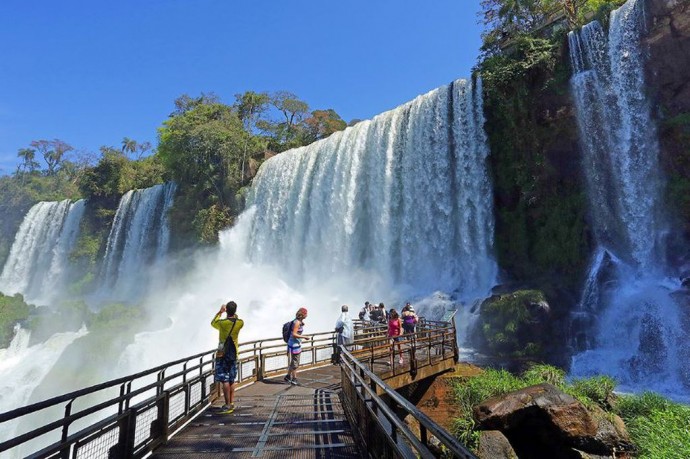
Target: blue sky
92,72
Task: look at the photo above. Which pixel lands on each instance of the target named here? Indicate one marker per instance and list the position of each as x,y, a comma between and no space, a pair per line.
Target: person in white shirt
345,333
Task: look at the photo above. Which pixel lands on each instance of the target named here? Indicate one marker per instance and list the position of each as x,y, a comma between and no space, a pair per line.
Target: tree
250,106
53,152
293,109
28,156
202,149
323,123
128,145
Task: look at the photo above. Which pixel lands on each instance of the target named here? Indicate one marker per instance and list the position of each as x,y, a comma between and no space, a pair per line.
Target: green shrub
540,373
658,427
13,309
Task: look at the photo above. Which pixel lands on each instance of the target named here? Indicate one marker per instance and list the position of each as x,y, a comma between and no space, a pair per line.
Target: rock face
494,445
543,422
668,77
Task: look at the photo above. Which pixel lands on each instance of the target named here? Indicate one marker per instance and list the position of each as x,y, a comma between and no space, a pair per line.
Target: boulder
494,445
542,421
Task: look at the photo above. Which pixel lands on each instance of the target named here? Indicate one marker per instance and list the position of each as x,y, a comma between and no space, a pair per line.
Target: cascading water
38,259
639,334
388,210
405,196
138,239
23,367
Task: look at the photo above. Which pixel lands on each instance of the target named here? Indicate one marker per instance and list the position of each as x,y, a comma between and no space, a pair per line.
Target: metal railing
129,417
379,421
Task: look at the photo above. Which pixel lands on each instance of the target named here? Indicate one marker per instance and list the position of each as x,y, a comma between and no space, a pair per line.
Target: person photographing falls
226,356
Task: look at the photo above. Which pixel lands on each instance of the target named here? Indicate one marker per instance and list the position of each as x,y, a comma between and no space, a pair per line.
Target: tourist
383,314
395,335
364,313
294,345
226,356
409,319
344,332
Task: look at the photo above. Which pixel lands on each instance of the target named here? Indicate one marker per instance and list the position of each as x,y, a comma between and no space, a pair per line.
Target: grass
659,428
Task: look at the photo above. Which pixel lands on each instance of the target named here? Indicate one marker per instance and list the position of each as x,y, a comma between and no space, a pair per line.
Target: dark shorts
294,361
226,371
397,338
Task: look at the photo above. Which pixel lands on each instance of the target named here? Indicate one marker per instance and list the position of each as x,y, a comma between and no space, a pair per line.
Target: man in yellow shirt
226,357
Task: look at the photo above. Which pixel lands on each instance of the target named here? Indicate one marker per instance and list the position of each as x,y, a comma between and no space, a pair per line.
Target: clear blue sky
91,72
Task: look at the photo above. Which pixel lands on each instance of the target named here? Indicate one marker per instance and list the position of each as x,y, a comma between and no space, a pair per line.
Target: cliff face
543,238
668,77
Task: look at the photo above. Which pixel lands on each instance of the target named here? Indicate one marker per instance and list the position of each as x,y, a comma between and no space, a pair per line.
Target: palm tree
129,145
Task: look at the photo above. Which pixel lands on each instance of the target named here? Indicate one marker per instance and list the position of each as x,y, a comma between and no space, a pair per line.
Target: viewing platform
349,408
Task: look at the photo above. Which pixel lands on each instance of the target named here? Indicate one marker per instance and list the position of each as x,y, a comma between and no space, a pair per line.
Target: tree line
211,149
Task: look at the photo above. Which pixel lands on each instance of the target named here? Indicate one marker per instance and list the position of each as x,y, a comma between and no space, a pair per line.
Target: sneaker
287,379
228,409
294,382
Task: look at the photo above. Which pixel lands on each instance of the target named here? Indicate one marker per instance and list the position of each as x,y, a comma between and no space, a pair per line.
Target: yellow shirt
224,326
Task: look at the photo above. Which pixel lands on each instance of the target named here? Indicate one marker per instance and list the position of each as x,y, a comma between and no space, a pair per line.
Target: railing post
65,430
164,415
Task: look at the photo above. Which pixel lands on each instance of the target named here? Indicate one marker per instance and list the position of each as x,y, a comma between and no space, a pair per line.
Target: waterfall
23,367
38,258
405,196
139,238
637,333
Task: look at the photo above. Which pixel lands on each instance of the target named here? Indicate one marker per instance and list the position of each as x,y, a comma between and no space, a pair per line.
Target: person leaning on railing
226,356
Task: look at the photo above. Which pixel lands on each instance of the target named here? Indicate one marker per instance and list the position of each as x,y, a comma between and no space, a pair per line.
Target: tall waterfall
38,258
388,210
638,332
405,196
138,238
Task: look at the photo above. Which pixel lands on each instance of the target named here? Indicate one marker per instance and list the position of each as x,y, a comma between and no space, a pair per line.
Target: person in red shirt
395,334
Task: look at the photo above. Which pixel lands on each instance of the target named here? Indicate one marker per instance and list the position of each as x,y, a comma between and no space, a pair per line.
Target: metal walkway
273,419
348,410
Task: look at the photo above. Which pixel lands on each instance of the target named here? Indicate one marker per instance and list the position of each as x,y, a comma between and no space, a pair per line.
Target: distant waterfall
639,337
138,239
405,195
39,256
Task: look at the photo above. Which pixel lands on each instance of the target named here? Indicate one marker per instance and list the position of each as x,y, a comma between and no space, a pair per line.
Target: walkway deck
273,419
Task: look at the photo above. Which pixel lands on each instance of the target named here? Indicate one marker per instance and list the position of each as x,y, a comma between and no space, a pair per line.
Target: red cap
302,311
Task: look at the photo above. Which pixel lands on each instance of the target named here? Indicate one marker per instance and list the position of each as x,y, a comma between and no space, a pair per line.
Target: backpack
287,330
229,348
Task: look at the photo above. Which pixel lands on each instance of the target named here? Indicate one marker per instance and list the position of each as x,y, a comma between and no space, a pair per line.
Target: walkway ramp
272,419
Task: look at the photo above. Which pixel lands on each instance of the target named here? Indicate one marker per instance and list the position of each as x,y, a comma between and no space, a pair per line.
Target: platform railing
377,412
129,417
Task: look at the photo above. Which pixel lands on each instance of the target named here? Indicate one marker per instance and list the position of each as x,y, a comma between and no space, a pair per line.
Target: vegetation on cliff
657,426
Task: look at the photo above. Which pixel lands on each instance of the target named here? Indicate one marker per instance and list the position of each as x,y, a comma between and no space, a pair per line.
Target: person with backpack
409,319
226,356
294,344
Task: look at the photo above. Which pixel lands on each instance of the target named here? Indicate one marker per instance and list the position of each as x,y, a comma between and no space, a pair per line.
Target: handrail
141,426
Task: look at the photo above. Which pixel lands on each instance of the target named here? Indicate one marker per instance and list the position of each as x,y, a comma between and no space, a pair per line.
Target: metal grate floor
272,420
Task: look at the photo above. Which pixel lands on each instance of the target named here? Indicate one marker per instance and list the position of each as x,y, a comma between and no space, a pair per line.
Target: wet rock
542,421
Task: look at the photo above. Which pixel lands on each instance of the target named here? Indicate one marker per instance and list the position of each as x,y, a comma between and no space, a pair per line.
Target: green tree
53,152
201,146
28,156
